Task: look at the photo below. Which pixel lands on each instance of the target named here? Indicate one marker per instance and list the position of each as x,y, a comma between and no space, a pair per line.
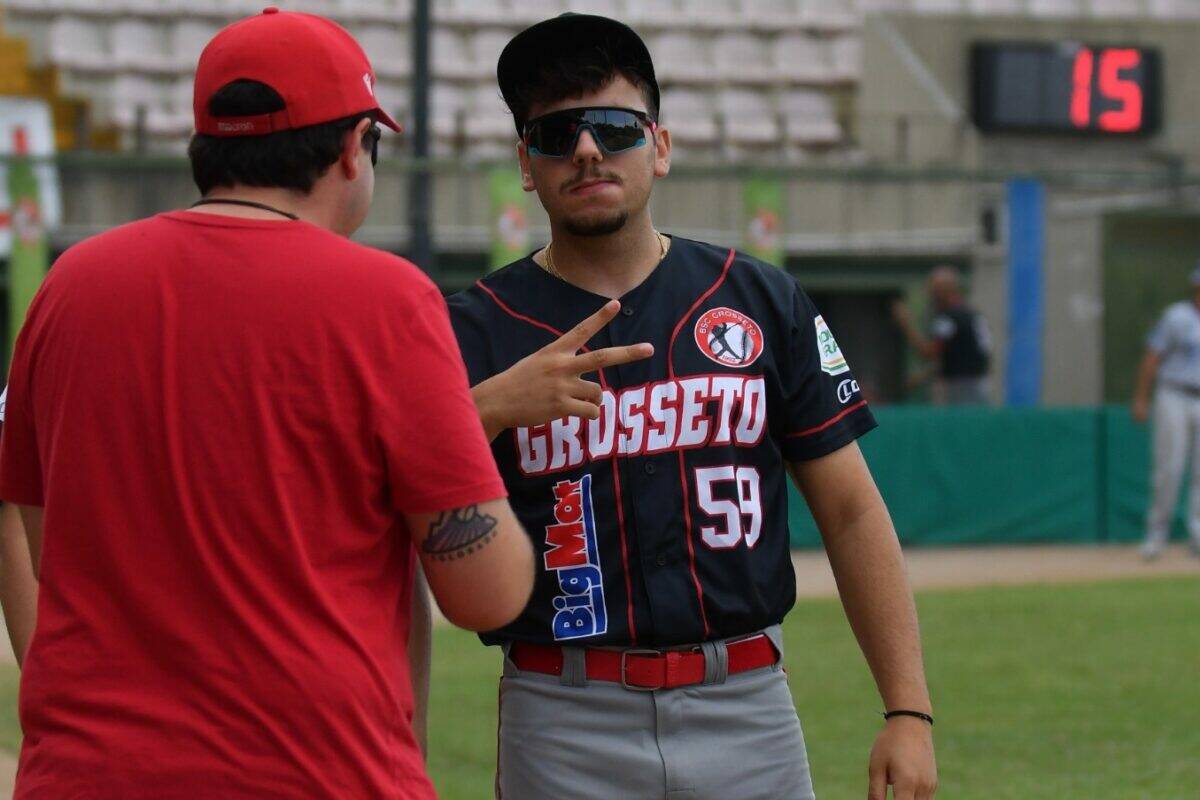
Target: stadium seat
346,11
808,118
446,104
800,58
485,50
658,13
527,12
151,8
749,119
130,92
449,54
80,6
478,12
77,42
828,14
742,57
937,6
771,14
605,8
138,44
996,7
179,98
689,116
1174,9
716,14
1056,8
187,38
387,46
846,55
1117,8
680,56
489,117
864,7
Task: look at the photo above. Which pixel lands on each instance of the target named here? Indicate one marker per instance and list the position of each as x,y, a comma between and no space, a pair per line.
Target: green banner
509,209
763,207
30,257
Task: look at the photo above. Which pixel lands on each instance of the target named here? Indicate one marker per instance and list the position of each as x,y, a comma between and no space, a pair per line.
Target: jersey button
650,468
661,559
627,311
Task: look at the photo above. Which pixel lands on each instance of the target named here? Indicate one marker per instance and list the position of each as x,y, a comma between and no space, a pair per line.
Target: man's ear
352,150
662,152
526,174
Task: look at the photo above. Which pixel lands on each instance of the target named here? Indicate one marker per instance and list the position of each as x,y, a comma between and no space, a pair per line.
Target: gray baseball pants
736,737
1176,435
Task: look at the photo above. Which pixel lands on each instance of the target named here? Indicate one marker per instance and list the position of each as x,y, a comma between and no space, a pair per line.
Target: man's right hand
549,384
1141,409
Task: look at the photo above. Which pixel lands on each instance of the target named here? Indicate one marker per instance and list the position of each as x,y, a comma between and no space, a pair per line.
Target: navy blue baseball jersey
665,520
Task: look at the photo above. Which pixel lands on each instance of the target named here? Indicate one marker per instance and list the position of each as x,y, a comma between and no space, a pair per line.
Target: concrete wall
914,106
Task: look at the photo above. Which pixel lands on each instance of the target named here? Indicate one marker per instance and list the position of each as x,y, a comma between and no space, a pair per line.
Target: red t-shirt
224,419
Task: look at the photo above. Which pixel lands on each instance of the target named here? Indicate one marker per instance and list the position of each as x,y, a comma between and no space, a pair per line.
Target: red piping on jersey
687,501
829,422
616,475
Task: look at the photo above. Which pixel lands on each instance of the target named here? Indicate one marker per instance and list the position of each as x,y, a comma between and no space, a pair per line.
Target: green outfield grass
1050,692
1054,693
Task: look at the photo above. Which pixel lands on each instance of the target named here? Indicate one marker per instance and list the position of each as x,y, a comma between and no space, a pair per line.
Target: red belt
645,670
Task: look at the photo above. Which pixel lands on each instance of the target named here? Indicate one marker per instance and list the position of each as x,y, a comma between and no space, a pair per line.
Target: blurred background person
1171,365
958,345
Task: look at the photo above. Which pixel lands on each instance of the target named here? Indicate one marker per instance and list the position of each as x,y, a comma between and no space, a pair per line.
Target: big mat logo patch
572,553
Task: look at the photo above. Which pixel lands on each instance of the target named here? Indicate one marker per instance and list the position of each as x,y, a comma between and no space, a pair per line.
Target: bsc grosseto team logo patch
729,337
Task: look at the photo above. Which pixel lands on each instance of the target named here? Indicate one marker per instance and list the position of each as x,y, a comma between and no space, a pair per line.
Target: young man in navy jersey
647,397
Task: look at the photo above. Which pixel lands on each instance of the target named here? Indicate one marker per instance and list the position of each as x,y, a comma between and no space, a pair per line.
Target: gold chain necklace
549,256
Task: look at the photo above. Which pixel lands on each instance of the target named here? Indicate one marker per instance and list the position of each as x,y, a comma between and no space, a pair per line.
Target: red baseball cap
313,63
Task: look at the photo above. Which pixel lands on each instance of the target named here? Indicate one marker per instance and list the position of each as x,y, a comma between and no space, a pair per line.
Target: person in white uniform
1172,366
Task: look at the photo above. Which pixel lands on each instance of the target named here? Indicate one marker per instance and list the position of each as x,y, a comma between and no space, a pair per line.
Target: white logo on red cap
370,85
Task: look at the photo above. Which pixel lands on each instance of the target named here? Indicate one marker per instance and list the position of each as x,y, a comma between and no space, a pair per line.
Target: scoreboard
1065,87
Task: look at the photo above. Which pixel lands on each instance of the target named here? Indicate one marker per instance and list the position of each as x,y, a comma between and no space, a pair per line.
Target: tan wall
917,70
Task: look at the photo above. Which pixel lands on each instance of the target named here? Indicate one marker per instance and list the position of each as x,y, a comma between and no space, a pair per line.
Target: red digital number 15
1126,91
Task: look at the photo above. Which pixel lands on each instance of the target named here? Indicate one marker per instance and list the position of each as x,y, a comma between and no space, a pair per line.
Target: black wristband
905,713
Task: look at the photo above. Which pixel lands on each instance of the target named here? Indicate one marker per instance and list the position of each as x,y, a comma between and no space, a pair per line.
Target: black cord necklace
247,203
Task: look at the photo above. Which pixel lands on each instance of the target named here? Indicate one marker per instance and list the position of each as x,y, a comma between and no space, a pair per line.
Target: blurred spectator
958,344
1172,364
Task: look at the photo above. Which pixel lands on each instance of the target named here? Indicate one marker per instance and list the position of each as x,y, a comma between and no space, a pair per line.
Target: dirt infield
970,567
941,568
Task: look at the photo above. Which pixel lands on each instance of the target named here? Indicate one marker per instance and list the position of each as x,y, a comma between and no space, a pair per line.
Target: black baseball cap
566,35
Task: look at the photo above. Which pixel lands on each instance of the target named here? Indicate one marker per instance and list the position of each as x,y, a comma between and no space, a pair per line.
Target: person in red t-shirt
228,431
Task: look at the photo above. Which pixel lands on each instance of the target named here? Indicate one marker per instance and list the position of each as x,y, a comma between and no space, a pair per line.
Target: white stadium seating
1117,8
998,7
741,57
1056,8
750,121
187,39
682,56
801,58
689,115
774,66
77,42
808,118
388,48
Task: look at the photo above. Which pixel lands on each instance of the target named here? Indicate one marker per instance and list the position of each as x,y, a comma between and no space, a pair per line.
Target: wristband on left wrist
903,712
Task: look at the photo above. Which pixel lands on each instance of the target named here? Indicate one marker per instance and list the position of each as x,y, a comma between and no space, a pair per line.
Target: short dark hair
585,70
291,159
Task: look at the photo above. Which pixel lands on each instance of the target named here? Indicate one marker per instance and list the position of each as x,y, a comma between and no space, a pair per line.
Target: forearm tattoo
459,533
